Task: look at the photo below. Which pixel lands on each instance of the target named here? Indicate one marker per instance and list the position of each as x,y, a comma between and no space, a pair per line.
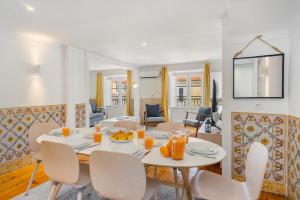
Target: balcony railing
181,101
195,101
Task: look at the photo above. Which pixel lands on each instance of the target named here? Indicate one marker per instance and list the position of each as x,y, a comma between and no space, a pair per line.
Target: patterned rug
70,193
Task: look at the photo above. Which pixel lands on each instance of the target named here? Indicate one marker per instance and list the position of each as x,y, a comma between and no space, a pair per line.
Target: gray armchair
202,114
153,115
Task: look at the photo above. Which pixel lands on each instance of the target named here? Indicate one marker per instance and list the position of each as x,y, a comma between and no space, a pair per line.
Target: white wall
62,78
77,81
294,80
231,45
151,88
93,84
20,87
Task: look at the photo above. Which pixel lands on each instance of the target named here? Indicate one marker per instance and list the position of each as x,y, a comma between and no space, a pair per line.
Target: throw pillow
153,110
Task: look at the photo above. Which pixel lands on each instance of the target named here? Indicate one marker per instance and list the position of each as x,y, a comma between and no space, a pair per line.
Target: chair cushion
203,111
208,185
153,110
192,122
95,115
155,119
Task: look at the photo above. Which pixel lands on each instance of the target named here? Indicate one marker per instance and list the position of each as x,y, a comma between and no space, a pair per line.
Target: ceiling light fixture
29,8
144,44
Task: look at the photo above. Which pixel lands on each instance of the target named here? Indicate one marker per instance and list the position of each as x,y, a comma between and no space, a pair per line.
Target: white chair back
117,176
256,165
129,125
37,129
167,126
60,162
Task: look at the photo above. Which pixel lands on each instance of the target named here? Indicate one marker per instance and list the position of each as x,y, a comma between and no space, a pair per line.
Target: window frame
119,88
189,76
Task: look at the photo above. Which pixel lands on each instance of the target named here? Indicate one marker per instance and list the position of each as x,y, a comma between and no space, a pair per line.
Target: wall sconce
135,85
34,69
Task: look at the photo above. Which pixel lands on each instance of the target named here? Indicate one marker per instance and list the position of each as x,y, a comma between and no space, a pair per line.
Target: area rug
41,192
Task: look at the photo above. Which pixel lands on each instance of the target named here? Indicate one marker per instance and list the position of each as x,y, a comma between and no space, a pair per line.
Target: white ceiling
102,63
257,16
175,31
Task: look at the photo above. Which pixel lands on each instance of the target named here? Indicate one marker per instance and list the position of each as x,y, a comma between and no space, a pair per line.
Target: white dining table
111,121
153,158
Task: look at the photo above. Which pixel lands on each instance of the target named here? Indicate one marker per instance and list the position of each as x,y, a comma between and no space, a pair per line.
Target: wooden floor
14,183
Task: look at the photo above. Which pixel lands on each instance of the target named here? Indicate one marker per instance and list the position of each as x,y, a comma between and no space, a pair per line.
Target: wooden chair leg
52,191
155,172
197,131
51,184
183,194
32,176
176,182
57,190
79,195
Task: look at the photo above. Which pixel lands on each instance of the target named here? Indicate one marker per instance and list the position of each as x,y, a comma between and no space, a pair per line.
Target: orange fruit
162,149
167,152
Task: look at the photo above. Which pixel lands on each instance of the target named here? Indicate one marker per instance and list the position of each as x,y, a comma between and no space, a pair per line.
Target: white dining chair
129,125
37,129
208,185
62,166
120,176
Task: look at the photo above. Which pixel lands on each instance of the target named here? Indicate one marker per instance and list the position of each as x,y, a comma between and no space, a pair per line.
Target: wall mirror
258,76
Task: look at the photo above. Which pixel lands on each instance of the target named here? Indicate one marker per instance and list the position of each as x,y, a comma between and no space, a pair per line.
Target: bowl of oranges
122,136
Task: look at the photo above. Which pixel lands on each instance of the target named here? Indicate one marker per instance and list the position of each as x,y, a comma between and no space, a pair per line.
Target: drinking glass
97,126
141,132
148,142
97,137
187,135
65,131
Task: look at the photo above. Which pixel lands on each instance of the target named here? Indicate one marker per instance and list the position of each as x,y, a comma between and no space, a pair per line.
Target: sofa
96,114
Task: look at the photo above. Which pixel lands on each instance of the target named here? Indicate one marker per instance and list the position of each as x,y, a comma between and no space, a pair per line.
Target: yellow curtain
206,85
129,101
99,91
164,92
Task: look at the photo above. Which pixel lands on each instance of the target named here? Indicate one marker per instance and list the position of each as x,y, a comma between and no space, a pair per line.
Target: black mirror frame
282,87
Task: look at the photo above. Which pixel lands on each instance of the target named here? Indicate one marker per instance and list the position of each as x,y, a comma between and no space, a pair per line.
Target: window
118,92
196,90
181,90
188,89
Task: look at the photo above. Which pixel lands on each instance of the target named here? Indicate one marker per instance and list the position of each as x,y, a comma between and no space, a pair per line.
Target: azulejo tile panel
293,158
268,129
80,115
14,126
